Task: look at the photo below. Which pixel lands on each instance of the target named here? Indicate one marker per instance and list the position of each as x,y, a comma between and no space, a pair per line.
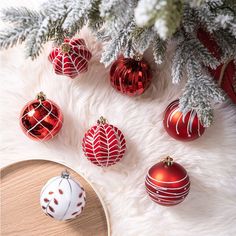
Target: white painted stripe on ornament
30,110
101,157
118,138
190,123
171,182
165,188
164,196
49,113
171,105
38,121
177,123
198,123
95,133
170,195
167,203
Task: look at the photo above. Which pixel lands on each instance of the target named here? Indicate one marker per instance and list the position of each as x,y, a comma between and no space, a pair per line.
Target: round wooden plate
21,213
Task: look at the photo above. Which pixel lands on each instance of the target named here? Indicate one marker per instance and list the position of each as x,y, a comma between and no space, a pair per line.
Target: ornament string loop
168,161
65,174
65,48
41,96
102,121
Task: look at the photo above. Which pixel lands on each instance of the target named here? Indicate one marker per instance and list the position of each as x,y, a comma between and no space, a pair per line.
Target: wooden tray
21,214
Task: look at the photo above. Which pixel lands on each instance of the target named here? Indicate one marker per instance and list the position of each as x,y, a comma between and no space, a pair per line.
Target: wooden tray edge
62,163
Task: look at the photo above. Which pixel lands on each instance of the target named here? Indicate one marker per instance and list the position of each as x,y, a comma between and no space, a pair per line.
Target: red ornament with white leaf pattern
104,144
71,58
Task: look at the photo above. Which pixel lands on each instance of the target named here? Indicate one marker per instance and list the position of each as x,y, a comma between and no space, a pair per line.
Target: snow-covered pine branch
132,26
199,92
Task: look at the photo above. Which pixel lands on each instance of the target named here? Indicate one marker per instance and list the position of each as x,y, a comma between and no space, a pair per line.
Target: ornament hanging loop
168,161
65,48
102,121
41,96
65,174
138,56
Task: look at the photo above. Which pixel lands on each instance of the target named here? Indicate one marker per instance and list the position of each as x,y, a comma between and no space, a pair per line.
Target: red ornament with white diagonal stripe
41,119
104,144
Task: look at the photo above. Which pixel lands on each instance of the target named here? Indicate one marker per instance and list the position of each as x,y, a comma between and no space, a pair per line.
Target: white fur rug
210,208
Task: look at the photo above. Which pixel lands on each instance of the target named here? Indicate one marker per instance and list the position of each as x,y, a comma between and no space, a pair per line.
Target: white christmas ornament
62,198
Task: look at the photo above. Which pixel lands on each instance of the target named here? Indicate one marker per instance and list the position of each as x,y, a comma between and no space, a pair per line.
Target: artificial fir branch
199,91
130,27
159,49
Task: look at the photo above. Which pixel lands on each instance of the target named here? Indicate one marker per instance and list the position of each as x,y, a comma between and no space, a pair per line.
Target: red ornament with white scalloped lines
167,182
182,127
104,144
71,59
41,119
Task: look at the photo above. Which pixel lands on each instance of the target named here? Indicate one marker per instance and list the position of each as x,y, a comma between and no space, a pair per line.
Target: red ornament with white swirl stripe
167,183
183,127
41,119
104,144
71,59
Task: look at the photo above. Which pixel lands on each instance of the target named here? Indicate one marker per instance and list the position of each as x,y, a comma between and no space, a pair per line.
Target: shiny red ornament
130,76
41,119
71,58
182,127
104,144
224,74
167,183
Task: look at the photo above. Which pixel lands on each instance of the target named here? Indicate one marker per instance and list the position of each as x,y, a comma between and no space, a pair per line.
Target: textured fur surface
210,208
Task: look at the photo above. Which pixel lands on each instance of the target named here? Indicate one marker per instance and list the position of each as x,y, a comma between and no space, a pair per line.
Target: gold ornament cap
65,174
168,161
102,121
65,47
41,96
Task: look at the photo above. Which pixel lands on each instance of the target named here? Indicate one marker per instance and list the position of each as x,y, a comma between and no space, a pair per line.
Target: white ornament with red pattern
104,144
71,58
62,197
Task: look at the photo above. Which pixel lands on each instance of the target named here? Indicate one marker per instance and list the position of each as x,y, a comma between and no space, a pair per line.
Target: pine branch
19,16
165,17
199,91
141,39
38,37
13,36
159,49
118,44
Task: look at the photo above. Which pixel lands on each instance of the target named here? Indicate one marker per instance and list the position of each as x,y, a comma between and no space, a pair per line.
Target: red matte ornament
104,144
41,119
167,183
130,76
182,127
71,58
224,74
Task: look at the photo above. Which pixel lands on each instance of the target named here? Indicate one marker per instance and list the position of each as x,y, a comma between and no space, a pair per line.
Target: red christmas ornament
182,127
104,144
224,74
71,58
167,183
41,119
130,76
